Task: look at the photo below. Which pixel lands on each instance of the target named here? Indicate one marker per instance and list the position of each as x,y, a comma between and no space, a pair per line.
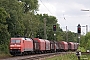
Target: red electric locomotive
21,46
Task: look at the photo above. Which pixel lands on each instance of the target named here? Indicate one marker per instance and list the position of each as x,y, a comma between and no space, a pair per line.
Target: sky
68,13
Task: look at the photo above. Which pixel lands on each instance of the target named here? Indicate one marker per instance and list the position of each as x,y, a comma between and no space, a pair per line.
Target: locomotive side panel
28,45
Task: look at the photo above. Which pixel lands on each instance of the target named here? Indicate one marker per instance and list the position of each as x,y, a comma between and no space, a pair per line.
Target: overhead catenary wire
46,7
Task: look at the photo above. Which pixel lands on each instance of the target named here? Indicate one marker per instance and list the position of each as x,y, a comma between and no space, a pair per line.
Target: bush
82,49
4,49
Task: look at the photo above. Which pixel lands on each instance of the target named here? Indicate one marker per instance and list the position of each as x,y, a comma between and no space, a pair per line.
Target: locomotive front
15,46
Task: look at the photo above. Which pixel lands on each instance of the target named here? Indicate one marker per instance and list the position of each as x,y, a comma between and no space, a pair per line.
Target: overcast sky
68,9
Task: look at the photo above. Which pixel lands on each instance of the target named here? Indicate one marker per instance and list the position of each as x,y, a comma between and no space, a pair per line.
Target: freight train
24,46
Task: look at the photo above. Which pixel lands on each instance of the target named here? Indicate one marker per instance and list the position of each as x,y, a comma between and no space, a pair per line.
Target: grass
85,57
69,57
64,57
4,55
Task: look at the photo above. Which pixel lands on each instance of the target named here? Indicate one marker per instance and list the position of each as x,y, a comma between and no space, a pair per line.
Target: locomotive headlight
10,48
19,48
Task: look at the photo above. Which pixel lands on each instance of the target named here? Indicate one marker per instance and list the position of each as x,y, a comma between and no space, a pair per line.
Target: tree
30,5
16,11
86,41
4,35
50,21
14,23
3,26
31,24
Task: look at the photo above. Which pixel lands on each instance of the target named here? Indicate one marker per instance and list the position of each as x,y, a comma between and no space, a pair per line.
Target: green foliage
85,57
4,34
4,48
82,49
31,24
14,9
64,57
69,57
50,21
32,3
71,36
85,41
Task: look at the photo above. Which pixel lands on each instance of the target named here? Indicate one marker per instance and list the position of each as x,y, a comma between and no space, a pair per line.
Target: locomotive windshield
15,41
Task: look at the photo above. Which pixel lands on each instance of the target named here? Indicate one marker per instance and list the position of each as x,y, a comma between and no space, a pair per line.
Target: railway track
85,53
36,57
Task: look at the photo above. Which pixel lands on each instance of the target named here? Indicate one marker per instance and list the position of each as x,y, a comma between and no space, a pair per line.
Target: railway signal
79,29
54,27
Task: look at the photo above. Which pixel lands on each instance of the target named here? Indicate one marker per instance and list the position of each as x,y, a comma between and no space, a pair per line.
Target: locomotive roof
22,38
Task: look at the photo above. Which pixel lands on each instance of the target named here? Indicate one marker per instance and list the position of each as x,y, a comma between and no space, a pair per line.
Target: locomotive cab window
12,41
15,41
